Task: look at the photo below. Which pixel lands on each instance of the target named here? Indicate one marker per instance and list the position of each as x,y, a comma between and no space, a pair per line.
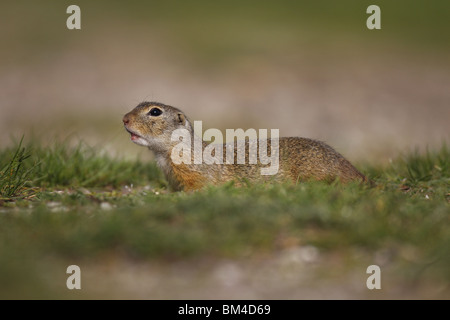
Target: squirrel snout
125,119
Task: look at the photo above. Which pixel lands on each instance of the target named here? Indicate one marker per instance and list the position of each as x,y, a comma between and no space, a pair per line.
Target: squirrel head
151,124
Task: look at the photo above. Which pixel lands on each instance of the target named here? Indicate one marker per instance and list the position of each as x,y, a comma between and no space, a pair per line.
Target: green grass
62,166
83,210
14,176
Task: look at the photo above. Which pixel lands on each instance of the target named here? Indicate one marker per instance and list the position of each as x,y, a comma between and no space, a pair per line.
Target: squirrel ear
181,118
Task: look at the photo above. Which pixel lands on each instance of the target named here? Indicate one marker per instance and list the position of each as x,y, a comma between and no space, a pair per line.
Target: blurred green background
310,68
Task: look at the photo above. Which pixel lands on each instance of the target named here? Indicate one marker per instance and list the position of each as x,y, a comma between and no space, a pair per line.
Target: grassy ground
76,206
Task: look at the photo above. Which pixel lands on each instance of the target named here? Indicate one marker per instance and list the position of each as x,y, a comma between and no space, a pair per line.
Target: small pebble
105,206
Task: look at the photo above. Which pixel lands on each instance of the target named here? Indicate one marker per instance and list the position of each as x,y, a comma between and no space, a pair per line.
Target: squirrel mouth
134,136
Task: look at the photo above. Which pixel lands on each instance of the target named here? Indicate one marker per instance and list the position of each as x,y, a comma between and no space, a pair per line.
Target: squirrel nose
125,119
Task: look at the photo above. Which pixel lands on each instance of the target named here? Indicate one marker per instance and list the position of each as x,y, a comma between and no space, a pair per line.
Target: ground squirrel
152,124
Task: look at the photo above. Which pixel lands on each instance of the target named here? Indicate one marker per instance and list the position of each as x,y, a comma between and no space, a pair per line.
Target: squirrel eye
155,112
